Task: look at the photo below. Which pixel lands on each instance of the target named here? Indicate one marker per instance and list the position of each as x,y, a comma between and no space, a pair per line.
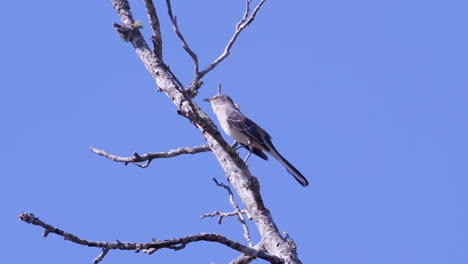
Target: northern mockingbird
248,133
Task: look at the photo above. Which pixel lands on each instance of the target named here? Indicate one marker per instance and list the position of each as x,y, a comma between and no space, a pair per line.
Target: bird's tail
290,168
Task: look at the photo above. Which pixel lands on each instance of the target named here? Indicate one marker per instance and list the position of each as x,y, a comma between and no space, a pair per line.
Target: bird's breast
238,136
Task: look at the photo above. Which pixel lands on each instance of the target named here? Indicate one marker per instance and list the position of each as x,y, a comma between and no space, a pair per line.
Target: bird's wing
252,130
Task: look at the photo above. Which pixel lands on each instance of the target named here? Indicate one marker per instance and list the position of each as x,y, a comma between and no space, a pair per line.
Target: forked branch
239,213
245,21
240,26
148,247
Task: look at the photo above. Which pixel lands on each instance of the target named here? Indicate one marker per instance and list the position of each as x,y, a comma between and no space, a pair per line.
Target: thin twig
240,26
246,13
157,37
101,256
238,211
174,77
243,23
148,157
221,215
173,243
154,22
192,54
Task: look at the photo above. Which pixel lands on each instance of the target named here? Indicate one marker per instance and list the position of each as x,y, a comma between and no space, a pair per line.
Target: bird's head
219,99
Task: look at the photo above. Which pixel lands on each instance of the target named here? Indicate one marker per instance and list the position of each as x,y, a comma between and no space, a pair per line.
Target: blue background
367,98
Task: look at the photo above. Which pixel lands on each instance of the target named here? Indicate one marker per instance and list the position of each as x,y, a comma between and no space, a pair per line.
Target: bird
247,133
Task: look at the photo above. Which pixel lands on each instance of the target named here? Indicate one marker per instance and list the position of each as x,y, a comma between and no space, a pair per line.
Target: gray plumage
248,133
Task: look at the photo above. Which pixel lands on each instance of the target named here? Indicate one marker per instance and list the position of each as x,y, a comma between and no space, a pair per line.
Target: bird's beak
207,100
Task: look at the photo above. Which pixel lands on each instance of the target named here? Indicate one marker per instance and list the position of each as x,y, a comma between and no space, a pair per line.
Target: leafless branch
148,157
173,243
245,184
174,77
221,215
242,259
154,22
238,211
243,23
245,259
246,13
101,256
240,26
192,54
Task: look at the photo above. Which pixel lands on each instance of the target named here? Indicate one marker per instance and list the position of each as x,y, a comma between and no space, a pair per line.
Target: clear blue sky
367,98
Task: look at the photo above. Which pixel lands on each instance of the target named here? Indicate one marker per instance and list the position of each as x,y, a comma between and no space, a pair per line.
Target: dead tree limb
221,215
155,26
245,259
245,21
148,247
237,212
240,215
186,47
148,157
236,171
273,247
240,26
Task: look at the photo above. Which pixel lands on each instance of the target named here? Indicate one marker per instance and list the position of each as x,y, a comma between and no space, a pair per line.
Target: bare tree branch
275,248
192,54
246,185
154,22
148,157
238,211
242,259
243,23
174,77
246,13
101,256
173,243
221,215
